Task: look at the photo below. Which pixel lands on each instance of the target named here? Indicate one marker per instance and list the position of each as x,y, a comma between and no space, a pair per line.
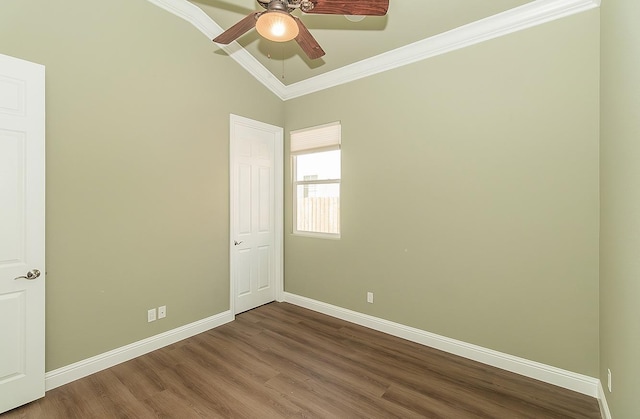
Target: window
315,154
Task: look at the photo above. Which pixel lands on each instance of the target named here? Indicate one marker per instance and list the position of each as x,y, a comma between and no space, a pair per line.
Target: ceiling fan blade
345,7
237,30
307,42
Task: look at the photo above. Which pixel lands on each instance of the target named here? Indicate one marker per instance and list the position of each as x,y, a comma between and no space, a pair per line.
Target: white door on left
21,232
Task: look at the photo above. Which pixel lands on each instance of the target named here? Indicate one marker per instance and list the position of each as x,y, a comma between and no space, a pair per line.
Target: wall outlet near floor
609,380
151,315
162,312
370,297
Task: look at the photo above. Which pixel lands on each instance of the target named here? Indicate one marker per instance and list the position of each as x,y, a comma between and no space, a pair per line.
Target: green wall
620,206
138,105
469,195
470,184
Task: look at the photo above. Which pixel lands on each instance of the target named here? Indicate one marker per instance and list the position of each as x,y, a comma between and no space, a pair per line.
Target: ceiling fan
277,23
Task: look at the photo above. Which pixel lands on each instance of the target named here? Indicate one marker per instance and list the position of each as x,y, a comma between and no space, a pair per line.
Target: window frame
295,183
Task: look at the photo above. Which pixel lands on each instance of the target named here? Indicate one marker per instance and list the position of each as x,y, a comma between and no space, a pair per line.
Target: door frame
278,178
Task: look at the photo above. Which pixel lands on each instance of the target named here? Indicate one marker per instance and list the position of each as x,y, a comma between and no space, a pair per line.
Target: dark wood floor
280,360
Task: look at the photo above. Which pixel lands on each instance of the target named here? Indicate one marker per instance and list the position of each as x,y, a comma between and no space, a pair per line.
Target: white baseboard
546,373
106,360
602,401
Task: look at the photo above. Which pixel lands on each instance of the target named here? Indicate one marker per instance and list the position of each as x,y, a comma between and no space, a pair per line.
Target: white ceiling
411,31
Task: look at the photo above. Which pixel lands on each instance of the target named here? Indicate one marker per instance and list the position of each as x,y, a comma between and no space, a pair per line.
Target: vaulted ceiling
412,30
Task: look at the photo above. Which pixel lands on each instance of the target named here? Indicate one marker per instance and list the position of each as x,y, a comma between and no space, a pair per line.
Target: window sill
316,235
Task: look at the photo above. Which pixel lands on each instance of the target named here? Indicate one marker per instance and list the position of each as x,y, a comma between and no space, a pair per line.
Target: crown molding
203,22
526,16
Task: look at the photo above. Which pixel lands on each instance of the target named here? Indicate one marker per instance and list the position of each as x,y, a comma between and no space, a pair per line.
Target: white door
256,213
21,232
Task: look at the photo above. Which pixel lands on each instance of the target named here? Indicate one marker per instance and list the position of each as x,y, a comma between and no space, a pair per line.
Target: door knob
31,275
236,243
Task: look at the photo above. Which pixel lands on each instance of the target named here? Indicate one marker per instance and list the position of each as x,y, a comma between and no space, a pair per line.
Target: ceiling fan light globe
354,18
277,26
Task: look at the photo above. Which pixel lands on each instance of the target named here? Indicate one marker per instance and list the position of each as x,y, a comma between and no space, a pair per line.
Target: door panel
255,217
265,204
21,232
243,273
12,363
12,188
264,267
244,196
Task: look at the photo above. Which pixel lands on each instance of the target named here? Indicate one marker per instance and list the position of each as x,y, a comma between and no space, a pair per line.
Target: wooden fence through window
319,215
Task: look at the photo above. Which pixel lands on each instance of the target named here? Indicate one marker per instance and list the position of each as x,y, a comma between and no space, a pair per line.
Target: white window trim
307,144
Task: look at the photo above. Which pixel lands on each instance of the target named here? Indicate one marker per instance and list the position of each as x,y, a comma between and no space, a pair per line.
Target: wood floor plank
162,404
488,382
235,383
139,377
283,361
327,365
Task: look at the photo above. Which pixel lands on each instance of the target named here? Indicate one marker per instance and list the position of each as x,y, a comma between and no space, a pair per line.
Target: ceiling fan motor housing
287,5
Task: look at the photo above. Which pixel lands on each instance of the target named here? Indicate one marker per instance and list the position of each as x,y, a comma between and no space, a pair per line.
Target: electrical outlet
162,312
370,297
151,315
609,380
